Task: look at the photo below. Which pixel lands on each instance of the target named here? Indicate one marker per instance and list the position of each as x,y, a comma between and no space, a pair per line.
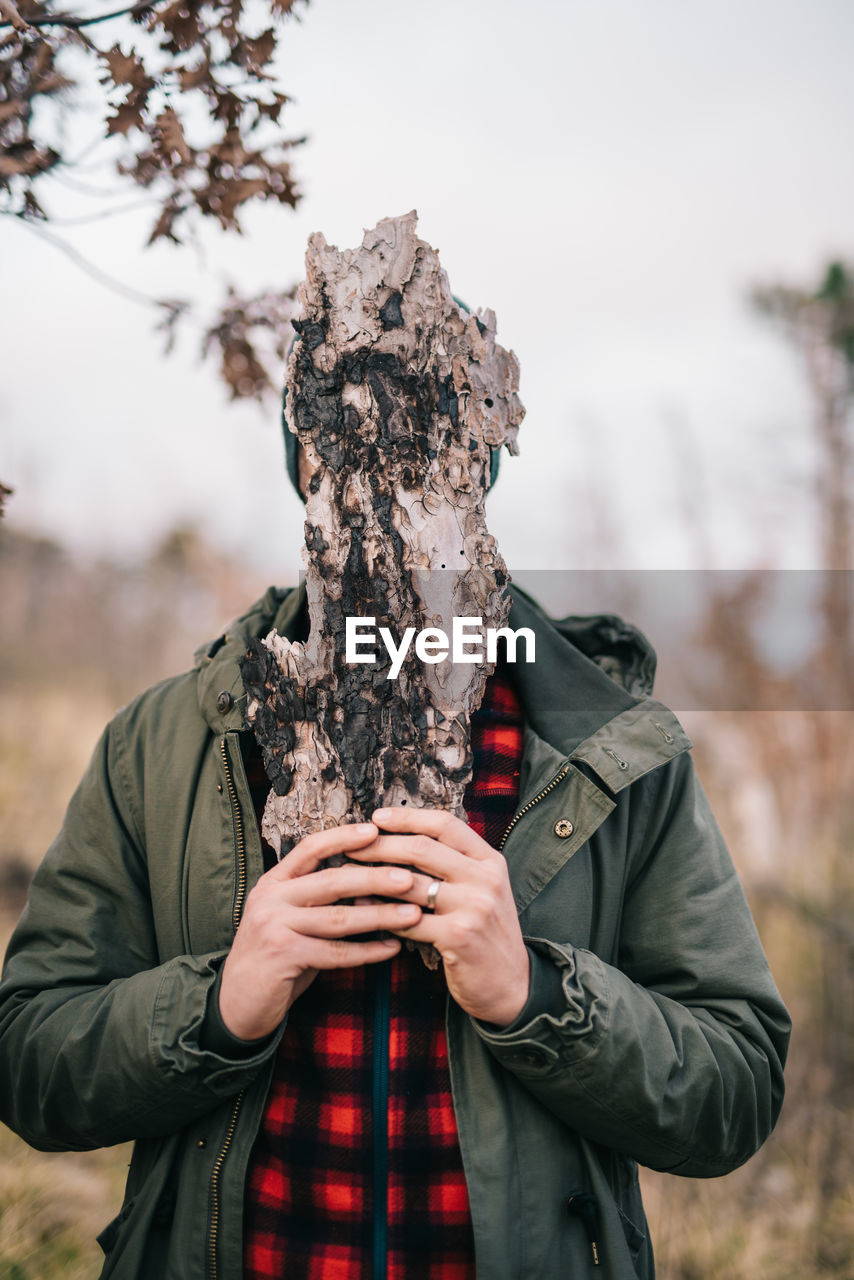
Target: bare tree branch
90,269
69,20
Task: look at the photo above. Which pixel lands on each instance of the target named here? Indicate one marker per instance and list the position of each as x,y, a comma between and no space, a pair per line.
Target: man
649,1028
306,1098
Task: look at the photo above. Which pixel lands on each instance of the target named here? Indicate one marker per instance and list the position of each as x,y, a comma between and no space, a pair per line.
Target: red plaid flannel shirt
309,1187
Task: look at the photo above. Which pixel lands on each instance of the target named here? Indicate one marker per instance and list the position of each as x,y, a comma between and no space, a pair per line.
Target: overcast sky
609,177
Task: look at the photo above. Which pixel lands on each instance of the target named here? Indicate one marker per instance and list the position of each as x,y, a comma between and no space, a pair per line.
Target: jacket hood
618,647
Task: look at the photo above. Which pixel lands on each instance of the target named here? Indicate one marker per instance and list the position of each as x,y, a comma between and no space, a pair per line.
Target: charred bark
397,396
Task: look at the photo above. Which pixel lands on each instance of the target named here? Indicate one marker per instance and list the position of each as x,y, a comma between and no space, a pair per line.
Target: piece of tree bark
396,395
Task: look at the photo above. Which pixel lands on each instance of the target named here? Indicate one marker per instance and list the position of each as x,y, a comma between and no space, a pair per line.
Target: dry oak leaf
272,110
170,135
231,151
183,24
26,158
192,77
256,51
242,370
126,68
52,83
128,114
228,107
237,192
163,225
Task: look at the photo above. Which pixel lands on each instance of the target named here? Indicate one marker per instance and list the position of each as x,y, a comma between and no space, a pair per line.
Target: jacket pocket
635,1238
632,1216
134,1241
108,1237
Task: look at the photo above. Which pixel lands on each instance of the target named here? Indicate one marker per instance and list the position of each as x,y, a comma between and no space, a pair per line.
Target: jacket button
202,1143
563,828
530,1058
224,702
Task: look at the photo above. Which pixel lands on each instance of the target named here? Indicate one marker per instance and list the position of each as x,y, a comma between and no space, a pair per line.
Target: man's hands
298,919
295,923
474,925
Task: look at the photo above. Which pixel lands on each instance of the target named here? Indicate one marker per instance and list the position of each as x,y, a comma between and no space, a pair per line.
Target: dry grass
789,1213
52,1208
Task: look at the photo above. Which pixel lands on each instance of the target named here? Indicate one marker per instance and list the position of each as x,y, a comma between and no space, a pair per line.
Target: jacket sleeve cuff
545,995
215,1037
562,1022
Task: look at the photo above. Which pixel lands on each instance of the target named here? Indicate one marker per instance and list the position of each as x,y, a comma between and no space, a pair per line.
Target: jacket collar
570,703
222,697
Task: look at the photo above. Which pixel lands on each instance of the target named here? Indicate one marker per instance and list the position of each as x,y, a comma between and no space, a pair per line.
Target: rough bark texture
396,395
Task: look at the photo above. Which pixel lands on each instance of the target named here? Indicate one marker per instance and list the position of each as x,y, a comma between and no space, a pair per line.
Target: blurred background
657,201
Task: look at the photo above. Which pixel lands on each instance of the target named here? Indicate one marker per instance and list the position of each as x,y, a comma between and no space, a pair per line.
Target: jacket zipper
380,1055
240,894
380,1076
239,837
379,1091
537,798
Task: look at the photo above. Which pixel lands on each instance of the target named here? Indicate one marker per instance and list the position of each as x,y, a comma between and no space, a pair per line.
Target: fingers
436,823
320,888
421,852
426,891
314,849
344,954
341,920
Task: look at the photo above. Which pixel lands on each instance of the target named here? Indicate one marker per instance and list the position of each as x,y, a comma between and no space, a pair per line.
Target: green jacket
653,1034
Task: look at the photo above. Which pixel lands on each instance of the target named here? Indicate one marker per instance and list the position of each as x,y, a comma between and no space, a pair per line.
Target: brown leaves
241,369
162,229
194,77
127,69
272,110
212,177
193,109
248,334
182,24
24,158
238,333
254,53
170,137
27,72
128,115
237,193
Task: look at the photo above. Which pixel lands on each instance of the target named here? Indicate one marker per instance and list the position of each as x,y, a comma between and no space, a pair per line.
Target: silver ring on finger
432,894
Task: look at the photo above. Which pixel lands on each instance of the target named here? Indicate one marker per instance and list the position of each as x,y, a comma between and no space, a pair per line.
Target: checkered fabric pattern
309,1187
